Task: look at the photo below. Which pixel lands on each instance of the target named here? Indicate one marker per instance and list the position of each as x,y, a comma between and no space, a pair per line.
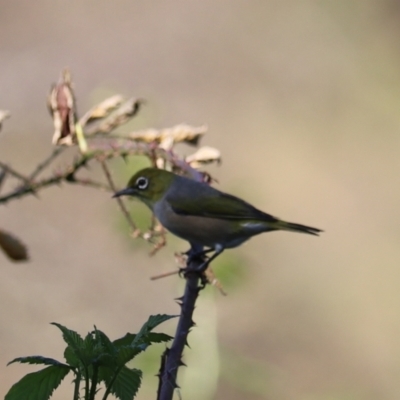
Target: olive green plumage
200,214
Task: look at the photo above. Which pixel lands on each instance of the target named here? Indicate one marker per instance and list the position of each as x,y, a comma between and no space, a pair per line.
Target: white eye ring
142,183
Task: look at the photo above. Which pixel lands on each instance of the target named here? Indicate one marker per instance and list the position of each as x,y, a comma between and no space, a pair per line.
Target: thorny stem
174,356
67,175
13,172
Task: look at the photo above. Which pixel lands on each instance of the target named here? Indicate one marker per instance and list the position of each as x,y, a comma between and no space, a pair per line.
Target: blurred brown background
302,99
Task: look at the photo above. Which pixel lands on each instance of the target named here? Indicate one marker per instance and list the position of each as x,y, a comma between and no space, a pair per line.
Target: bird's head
149,185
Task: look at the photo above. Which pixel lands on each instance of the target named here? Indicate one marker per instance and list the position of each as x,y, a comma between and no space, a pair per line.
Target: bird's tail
289,226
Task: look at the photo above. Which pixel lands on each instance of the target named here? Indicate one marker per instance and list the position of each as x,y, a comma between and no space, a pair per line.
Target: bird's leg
197,252
206,263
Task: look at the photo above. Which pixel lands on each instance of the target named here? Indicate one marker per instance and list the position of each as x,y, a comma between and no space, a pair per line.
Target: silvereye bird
200,214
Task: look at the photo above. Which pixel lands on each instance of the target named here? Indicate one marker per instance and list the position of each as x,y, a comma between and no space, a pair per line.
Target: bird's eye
142,183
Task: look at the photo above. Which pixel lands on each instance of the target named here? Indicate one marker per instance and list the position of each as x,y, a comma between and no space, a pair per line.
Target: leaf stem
77,384
94,381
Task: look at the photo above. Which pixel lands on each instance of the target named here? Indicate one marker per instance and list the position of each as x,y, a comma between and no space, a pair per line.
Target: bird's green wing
219,205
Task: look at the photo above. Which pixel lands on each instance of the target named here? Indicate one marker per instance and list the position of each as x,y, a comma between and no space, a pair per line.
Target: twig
67,175
13,172
164,275
56,152
93,184
3,176
135,231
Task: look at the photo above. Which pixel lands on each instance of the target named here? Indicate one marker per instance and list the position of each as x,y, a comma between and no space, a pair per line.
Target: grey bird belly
205,231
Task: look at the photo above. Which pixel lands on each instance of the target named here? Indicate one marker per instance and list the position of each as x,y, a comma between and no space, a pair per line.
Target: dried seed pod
102,110
120,116
204,155
62,107
166,138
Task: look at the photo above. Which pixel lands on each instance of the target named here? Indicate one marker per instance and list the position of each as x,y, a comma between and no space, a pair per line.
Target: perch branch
168,374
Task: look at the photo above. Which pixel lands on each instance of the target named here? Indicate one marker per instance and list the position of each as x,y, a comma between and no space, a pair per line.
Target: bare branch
135,232
44,164
14,173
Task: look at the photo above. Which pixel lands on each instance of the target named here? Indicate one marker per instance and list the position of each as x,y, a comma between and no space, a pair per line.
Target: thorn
179,299
35,194
176,386
179,304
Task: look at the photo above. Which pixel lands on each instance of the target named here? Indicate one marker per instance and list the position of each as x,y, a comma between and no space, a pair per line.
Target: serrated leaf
38,360
104,340
71,358
106,360
78,350
131,344
151,337
90,347
155,337
126,340
38,385
152,322
70,337
126,384
127,353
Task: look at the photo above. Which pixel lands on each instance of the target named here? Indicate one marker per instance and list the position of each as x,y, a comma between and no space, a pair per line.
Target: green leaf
78,350
71,358
126,340
70,337
152,322
154,337
126,384
155,320
38,385
103,340
151,337
38,360
131,344
127,353
89,344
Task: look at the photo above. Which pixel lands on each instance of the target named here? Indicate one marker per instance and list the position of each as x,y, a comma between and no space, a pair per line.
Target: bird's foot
197,254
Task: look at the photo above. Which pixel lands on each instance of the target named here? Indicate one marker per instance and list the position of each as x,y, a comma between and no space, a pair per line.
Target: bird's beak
125,192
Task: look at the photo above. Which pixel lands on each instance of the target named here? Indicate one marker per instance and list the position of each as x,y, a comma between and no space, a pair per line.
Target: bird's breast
206,231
